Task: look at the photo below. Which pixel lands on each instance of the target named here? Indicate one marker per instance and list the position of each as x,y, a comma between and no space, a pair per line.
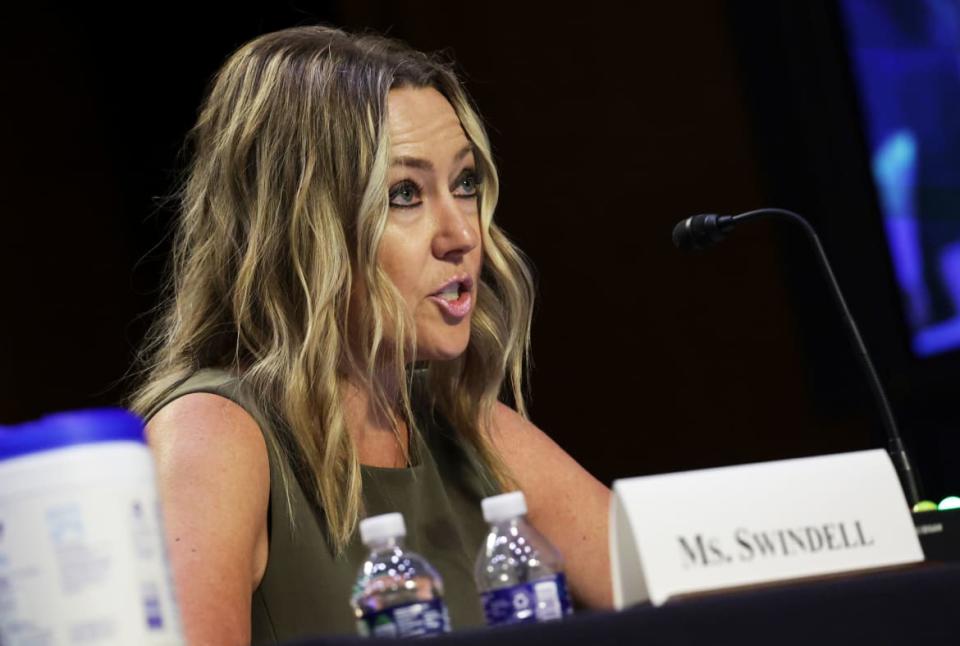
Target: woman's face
431,247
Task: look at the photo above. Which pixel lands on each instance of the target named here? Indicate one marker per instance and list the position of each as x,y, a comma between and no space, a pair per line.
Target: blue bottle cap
60,430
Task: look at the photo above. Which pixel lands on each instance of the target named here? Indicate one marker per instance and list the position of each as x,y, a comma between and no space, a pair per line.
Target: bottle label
417,619
541,600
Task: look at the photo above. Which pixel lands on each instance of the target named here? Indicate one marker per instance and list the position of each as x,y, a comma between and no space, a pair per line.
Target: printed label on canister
417,619
85,563
542,600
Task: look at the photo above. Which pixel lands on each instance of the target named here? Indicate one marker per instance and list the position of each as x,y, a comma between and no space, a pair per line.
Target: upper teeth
451,292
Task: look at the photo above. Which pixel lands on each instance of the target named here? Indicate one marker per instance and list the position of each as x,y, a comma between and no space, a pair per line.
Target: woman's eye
405,194
467,184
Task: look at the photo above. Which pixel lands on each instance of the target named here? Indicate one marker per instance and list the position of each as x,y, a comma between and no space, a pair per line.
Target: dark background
609,124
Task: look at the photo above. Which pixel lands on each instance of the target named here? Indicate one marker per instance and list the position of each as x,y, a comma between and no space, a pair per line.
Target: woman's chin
441,352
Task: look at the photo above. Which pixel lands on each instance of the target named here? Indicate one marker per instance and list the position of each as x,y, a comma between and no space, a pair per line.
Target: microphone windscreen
682,237
698,232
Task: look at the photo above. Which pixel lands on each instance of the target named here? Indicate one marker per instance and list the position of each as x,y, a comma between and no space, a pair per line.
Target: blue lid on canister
61,430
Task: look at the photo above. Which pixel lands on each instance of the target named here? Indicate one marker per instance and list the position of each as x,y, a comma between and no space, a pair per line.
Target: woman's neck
374,430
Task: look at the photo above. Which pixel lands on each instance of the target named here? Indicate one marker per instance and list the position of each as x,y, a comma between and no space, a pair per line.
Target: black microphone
701,231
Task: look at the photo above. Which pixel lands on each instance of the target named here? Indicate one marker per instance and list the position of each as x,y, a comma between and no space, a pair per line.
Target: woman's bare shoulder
534,457
204,419
564,501
213,476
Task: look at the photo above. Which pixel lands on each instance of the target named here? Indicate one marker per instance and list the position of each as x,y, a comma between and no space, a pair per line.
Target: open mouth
453,292
455,297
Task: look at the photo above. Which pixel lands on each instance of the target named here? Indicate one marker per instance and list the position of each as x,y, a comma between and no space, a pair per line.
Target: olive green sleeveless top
306,588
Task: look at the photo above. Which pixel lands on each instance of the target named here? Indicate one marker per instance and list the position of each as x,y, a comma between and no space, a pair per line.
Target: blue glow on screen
906,61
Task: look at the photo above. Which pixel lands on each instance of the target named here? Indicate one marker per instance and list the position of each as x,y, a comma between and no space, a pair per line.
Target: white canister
82,553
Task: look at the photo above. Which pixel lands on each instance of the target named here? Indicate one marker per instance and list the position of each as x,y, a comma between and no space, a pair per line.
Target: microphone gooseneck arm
724,224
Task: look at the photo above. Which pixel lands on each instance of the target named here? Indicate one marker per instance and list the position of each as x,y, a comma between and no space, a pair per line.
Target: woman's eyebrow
426,164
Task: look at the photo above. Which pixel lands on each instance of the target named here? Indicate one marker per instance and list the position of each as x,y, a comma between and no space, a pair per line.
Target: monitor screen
905,57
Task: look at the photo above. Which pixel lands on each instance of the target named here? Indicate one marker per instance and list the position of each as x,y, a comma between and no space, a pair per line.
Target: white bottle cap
504,507
380,528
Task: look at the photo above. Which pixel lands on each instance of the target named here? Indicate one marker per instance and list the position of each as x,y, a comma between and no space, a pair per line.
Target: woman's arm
566,503
213,477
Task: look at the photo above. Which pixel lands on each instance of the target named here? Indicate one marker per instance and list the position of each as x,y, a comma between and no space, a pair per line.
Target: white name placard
733,526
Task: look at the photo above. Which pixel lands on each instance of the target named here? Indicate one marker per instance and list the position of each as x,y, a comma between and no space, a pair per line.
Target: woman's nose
458,228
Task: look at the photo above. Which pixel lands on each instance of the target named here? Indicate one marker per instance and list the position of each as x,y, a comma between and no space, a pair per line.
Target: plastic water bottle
519,574
398,593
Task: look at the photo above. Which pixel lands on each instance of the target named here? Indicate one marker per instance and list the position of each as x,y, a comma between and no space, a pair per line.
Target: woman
336,227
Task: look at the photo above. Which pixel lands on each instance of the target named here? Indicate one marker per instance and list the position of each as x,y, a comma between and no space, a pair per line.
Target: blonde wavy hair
282,209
